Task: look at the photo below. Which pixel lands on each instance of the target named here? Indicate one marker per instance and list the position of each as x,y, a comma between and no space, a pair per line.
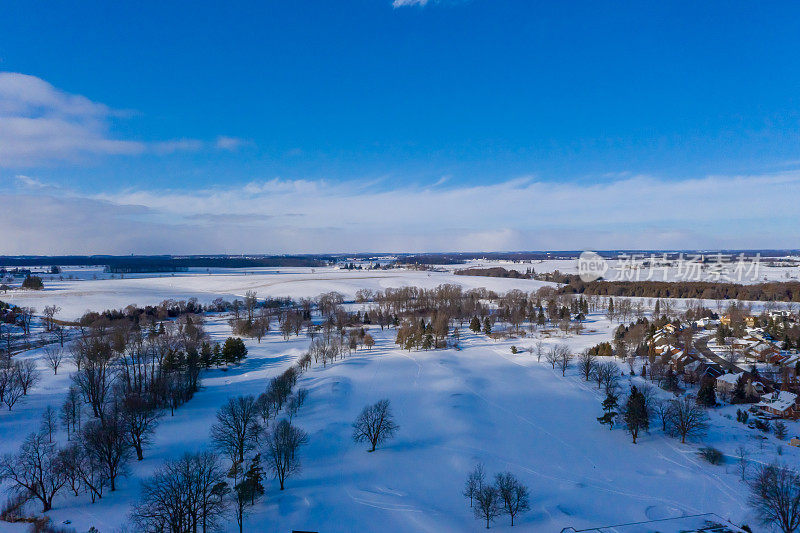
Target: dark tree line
778,291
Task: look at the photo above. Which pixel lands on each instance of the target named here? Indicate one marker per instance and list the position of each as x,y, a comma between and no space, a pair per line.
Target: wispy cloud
406,3
292,216
230,144
42,125
29,182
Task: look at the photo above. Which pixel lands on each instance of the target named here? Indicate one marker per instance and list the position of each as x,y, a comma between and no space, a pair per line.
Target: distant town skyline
405,126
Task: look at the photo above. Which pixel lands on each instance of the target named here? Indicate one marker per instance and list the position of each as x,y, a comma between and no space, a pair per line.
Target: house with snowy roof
761,351
727,382
780,404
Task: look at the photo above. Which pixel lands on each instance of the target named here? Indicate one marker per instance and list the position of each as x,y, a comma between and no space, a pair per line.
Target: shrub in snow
712,455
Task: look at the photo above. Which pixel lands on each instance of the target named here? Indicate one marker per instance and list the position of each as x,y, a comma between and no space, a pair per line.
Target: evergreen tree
635,413
206,354
739,391
475,324
234,350
216,358
610,405
670,380
487,325
427,342
780,430
706,395
253,479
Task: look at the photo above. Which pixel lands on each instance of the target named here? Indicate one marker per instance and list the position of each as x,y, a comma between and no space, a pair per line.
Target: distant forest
777,291
494,272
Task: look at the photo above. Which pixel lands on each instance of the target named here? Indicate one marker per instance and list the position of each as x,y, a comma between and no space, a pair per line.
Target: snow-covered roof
780,401
730,378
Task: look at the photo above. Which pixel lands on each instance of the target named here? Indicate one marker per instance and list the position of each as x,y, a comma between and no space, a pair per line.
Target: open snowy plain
76,296
454,408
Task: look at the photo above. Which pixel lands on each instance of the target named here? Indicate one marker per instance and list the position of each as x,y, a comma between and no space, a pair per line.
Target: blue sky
329,105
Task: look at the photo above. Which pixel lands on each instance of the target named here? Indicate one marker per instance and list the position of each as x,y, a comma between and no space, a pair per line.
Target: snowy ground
455,408
89,288
76,296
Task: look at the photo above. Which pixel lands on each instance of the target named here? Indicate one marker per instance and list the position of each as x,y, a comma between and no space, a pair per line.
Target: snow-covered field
89,288
76,296
454,407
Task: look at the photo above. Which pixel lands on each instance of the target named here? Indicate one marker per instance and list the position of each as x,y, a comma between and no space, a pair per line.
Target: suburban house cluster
754,361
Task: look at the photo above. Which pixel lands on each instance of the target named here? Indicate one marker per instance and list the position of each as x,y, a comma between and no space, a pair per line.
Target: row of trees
786,291
124,380
193,493
89,463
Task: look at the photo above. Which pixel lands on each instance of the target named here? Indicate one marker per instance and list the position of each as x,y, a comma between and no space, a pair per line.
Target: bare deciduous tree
775,495
54,356
184,496
95,377
237,429
686,418
36,470
551,356
375,424
49,313
661,408
282,445
587,364
474,483
140,418
513,495
563,358
539,350
10,387
71,411
105,439
607,376
487,504
49,423
741,461
27,374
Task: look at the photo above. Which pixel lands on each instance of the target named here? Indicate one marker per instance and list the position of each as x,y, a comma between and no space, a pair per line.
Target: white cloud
406,3
29,183
229,143
40,124
294,216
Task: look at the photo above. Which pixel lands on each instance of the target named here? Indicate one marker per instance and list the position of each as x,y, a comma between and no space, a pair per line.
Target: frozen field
77,296
89,288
